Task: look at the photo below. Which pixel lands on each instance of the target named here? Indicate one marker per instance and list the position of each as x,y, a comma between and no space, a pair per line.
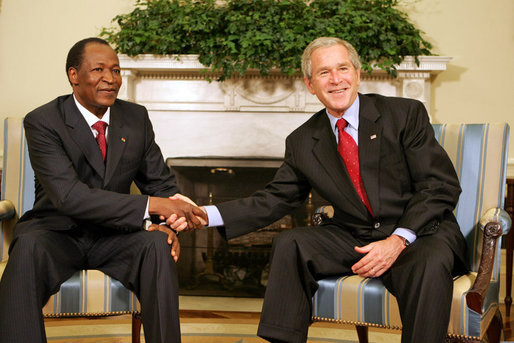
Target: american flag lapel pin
373,136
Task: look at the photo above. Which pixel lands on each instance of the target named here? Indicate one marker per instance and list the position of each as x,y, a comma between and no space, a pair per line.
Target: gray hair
325,42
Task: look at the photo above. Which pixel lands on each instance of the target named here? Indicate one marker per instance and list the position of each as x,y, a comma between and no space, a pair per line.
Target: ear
309,85
73,76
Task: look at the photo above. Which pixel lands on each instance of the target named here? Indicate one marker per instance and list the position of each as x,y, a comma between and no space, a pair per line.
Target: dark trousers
420,279
41,260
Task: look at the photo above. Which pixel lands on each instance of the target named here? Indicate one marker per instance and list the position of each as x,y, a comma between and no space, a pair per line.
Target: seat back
17,178
479,153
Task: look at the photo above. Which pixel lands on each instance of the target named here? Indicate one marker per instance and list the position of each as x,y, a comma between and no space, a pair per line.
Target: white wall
35,36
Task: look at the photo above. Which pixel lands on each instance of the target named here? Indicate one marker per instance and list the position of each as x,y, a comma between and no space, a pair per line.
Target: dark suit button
377,225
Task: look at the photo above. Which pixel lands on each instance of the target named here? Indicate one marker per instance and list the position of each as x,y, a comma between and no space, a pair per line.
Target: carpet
203,320
198,330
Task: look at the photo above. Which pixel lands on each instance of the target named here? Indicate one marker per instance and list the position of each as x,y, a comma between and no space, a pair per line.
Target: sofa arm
494,223
6,210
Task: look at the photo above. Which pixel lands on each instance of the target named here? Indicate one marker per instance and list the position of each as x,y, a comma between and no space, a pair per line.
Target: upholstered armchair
88,293
479,154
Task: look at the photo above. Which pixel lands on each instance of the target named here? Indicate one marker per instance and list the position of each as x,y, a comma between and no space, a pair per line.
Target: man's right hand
178,208
179,223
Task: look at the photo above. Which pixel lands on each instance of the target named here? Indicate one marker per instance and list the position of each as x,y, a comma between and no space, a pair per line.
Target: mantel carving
177,95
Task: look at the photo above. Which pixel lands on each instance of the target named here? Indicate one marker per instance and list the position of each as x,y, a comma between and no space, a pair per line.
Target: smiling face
97,80
335,80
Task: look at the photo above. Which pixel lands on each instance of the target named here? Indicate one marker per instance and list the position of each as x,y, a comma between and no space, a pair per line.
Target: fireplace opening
210,265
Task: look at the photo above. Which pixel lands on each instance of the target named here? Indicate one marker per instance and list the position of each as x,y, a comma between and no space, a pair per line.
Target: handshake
180,212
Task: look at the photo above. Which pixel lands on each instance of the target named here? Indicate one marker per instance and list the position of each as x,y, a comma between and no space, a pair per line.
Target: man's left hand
379,256
172,239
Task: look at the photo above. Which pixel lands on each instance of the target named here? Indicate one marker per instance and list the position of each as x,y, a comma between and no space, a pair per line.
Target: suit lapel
116,142
325,151
81,133
370,137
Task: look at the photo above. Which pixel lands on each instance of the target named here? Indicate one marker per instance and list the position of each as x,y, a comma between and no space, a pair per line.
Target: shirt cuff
214,216
147,214
409,235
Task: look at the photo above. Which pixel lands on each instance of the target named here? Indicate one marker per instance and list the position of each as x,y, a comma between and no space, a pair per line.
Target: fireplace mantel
246,116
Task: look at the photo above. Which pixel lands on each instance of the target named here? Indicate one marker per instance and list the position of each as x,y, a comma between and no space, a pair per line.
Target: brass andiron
309,209
209,272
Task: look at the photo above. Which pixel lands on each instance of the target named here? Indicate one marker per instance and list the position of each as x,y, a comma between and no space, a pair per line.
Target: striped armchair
88,293
479,154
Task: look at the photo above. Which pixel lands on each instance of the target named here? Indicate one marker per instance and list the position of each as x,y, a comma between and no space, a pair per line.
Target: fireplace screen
210,265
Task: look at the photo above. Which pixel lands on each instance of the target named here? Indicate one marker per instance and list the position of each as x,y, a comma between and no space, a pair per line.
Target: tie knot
100,126
341,124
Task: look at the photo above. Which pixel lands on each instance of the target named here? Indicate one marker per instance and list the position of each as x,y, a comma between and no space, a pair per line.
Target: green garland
264,34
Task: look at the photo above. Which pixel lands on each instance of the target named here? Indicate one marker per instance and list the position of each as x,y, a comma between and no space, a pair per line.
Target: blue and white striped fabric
479,154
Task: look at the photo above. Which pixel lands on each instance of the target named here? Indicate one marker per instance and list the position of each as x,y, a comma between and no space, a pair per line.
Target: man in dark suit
393,200
84,216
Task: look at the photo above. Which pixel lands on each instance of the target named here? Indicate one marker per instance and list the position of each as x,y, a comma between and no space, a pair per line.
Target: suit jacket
409,179
74,186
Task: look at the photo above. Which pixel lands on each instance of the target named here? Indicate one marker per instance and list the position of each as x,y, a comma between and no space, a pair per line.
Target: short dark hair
76,53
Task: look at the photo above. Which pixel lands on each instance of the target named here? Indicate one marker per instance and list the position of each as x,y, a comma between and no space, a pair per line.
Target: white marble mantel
243,117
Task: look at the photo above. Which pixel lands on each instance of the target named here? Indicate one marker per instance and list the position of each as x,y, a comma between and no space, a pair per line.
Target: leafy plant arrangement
233,36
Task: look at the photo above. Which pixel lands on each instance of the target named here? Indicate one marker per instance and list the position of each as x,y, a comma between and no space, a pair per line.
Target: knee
290,239
156,245
433,265
283,239
26,245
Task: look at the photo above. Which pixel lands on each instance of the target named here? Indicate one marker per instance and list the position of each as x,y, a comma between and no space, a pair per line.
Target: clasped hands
180,213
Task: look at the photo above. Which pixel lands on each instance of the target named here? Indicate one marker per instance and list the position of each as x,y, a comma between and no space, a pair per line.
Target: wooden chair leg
136,327
494,331
362,333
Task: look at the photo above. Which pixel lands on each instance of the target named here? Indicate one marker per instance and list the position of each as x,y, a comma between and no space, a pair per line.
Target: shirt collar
90,117
351,116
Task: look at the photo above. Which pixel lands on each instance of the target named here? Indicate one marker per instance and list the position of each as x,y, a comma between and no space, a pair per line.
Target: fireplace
208,264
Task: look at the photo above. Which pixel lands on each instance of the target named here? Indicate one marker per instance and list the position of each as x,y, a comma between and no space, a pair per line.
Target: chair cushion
89,293
365,301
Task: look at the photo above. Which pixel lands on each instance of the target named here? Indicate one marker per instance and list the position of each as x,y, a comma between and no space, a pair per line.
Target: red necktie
100,126
349,151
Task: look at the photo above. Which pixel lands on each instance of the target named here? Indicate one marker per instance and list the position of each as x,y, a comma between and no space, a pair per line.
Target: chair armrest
322,214
318,219
494,223
6,209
